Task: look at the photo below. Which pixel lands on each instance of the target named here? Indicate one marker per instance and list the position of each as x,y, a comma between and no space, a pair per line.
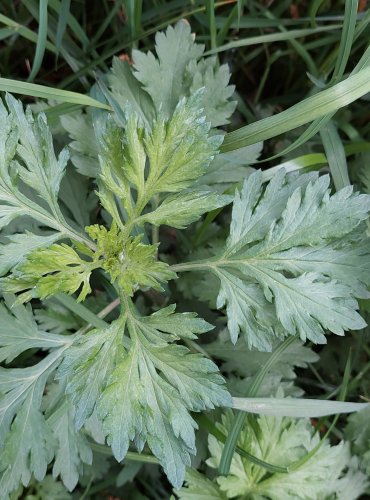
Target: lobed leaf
72,448
199,487
87,365
292,249
157,411
168,159
285,442
26,439
182,209
169,383
163,77
83,148
48,271
20,332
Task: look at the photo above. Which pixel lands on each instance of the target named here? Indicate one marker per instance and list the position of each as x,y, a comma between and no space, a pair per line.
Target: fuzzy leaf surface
48,271
163,77
87,365
25,437
129,261
72,449
167,159
176,70
127,91
281,441
40,169
169,382
358,432
19,245
208,74
199,487
20,332
293,263
84,151
182,209
30,177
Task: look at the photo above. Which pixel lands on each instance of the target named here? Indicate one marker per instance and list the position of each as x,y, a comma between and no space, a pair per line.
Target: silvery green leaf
296,407
20,332
40,168
215,79
163,77
283,442
199,487
72,448
127,91
26,439
18,246
86,366
84,150
182,209
292,254
169,382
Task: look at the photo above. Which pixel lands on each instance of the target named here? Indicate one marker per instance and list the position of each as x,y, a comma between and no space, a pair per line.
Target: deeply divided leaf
293,263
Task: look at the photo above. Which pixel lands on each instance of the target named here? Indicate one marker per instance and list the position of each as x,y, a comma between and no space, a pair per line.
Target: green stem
109,308
191,266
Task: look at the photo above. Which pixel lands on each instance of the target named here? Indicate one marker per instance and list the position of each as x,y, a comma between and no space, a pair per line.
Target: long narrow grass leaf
273,37
295,407
24,32
80,310
213,429
35,90
335,154
62,21
316,126
348,33
41,39
210,10
314,8
316,106
63,10
233,436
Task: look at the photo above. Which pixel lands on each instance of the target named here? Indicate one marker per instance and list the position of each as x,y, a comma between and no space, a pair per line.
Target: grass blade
233,436
41,39
24,32
348,33
6,33
273,37
133,10
210,11
62,11
80,310
311,161
295,407
213,429
335,154
62,21
316,126
35,90
317,106
315,6
342,397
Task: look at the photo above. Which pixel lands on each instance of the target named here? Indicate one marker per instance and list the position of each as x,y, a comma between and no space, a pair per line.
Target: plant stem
109,308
